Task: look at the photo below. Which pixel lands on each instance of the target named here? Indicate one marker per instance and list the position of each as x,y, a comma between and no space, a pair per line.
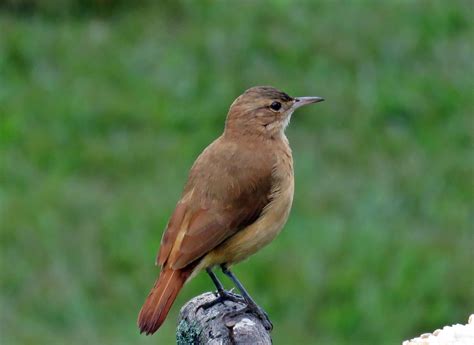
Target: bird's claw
221,297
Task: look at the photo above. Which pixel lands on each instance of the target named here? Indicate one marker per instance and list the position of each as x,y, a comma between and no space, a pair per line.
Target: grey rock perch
198,326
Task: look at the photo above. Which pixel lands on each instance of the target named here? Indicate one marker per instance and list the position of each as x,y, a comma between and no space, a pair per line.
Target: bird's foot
222,296
254,309
227,293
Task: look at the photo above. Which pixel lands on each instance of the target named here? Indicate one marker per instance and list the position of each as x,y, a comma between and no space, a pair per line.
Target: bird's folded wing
230,195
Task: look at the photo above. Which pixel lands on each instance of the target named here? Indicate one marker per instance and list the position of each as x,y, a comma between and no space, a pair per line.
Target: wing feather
226,191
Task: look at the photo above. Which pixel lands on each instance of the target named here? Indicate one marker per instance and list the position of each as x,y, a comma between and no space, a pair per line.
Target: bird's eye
275,106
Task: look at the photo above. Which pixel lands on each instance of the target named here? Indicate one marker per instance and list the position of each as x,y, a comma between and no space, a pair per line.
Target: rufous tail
161,298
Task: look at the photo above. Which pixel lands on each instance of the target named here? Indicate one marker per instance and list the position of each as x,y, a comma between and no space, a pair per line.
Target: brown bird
236,200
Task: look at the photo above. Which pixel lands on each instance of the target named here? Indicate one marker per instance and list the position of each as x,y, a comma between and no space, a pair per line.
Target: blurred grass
102,114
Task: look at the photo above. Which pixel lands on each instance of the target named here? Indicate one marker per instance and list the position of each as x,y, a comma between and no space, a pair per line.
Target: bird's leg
216,281
251,305
223,294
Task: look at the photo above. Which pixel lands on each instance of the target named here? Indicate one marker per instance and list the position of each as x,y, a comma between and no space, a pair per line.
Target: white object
449,335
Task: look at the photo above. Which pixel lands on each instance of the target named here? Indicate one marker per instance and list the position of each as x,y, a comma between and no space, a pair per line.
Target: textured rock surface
210,326
449,335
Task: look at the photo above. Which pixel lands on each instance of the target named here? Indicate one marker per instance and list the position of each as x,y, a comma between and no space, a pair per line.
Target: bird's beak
300,101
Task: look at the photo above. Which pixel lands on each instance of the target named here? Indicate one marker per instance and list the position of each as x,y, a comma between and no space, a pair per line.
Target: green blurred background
104,105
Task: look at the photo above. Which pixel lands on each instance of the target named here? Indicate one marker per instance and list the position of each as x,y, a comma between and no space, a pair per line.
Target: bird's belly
255,236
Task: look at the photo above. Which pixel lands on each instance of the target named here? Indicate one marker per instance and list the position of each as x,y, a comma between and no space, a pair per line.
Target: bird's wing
227,189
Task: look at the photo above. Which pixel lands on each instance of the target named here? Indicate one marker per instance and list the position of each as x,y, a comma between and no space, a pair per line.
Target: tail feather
161,298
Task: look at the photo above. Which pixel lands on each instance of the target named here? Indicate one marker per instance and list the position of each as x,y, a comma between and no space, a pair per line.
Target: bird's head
264,110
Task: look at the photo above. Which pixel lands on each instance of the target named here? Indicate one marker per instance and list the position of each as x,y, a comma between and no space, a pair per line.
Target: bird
236,200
